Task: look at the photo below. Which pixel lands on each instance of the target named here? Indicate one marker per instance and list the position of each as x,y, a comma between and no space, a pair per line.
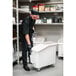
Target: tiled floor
56,70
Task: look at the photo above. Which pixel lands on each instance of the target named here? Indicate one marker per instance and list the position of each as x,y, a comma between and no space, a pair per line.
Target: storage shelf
45,24
21,10
54,3
50,24
51,12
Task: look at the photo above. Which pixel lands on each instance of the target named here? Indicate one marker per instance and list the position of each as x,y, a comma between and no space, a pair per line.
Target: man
26,38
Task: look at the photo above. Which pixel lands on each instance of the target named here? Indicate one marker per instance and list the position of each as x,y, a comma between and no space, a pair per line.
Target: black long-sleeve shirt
27,27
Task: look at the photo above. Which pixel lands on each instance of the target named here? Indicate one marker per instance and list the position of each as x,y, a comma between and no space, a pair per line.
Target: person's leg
24,56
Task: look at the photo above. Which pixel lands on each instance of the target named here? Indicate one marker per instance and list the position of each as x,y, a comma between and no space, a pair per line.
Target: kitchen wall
50,32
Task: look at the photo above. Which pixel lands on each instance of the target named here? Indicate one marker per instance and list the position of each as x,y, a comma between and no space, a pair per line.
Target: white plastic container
43,55
49,21
38,21
60,47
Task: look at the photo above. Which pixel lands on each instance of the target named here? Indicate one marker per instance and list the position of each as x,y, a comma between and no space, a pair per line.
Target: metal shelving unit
18,10
50,24
51,12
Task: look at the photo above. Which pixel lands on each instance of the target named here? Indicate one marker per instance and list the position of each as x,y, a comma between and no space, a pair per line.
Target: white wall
50,32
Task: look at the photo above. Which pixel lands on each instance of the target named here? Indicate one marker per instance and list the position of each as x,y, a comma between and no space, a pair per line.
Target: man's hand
29,46
29,49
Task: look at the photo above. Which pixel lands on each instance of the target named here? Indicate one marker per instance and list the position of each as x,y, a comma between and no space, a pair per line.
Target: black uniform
27,28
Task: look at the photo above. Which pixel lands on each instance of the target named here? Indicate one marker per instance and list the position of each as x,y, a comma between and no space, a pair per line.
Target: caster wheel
60,58
53,65
38,69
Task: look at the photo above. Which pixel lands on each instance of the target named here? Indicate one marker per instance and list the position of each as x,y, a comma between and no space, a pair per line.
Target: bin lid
38,39
40,47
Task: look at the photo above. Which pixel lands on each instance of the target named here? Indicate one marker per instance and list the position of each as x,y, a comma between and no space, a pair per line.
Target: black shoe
26,68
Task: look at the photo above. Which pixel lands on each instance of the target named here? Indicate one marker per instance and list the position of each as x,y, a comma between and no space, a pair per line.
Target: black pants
25,51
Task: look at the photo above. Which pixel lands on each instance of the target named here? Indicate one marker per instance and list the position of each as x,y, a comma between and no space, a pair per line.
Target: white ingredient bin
60,47
43,55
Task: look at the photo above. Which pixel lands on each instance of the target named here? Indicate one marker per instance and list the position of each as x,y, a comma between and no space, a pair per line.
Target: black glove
29,49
